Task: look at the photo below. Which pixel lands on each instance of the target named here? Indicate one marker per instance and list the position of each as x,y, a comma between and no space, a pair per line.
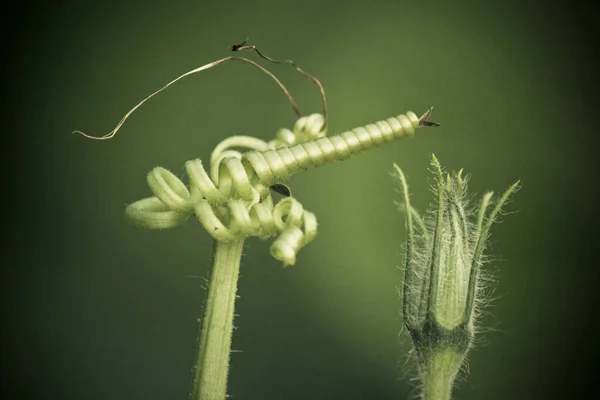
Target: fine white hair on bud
442,283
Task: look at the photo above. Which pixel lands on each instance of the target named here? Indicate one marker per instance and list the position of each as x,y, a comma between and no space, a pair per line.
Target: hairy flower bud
441,288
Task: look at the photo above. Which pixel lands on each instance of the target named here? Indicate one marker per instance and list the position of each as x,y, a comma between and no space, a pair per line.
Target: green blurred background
95,309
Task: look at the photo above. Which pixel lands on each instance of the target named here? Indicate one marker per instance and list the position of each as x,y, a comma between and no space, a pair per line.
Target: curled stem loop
228,205
233,199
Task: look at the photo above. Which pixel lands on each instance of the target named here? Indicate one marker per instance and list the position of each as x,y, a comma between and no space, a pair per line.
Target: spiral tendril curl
273,165
225,201
233,200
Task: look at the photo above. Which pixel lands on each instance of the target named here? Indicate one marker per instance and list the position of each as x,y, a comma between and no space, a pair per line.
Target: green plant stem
212,364
439,374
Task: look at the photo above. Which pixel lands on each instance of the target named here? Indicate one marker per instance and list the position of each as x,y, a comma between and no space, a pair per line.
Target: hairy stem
212,364
440,372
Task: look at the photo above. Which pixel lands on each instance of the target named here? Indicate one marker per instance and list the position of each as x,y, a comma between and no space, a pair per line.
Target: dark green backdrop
95,309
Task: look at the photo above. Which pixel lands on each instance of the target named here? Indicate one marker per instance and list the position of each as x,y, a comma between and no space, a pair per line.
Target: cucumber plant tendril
233,200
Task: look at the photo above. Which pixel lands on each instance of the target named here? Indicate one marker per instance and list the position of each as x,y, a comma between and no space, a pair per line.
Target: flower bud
441,283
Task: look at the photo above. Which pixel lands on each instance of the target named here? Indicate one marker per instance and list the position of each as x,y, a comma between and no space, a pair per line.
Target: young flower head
441,287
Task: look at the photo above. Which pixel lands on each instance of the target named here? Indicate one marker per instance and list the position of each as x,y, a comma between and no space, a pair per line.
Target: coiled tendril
274,165
224,202
234,200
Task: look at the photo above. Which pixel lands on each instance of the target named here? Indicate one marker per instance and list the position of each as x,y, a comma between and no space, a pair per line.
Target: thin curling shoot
225,203
242,46
238,47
